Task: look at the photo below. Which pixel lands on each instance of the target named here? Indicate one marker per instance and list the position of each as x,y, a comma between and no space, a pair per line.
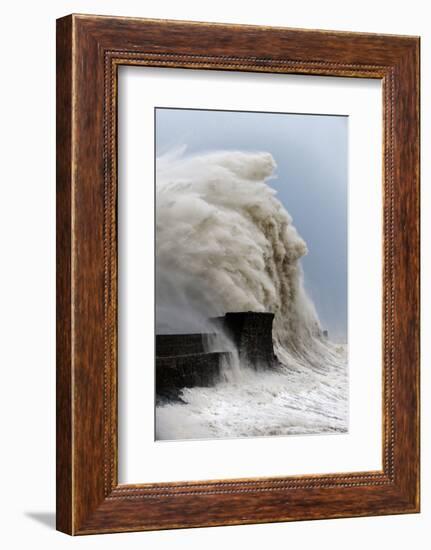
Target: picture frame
89,497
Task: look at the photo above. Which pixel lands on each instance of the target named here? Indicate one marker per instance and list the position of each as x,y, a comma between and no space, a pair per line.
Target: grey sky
311,156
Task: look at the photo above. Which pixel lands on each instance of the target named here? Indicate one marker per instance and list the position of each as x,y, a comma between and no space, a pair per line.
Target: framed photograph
237,274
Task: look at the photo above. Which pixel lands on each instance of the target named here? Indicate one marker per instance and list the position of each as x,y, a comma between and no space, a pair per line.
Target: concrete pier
251,333
188,360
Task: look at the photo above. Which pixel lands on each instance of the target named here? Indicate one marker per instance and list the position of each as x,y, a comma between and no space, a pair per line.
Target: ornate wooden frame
89,51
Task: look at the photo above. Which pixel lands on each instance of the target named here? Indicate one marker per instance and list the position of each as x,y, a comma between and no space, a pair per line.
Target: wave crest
226,243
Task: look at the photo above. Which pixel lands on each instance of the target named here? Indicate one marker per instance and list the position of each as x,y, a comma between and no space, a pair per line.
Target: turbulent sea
224,242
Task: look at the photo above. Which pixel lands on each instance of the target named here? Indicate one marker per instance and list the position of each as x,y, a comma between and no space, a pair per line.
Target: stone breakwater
189,360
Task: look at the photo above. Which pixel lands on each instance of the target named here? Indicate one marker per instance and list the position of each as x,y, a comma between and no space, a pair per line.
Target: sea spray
219,341
224,242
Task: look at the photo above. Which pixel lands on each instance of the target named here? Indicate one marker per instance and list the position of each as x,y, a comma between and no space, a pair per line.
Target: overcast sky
311,156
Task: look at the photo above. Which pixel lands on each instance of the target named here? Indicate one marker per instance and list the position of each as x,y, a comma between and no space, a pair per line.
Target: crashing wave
224,242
